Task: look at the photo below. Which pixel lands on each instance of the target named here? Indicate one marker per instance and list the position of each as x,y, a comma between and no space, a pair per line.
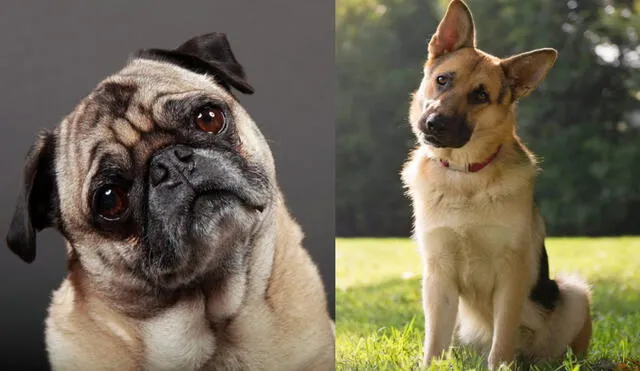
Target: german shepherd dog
471,181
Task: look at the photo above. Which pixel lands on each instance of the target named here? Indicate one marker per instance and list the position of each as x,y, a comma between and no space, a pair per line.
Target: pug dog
181,252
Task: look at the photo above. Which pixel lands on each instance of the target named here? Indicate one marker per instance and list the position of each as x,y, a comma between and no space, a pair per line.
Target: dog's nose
184,154
435,123
170,165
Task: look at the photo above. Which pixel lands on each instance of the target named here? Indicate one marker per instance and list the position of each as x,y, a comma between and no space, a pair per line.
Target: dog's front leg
508,300
440,304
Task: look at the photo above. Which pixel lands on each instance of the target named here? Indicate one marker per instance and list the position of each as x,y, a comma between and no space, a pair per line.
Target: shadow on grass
393,304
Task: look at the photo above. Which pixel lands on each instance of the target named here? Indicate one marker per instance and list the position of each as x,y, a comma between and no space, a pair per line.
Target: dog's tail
576,294
569,324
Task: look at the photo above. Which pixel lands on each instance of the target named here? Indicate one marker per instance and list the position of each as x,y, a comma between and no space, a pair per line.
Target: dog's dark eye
210,119
482,96
479,96
110,202
442,80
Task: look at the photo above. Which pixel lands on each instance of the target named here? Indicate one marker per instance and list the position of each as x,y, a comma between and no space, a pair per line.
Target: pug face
159,174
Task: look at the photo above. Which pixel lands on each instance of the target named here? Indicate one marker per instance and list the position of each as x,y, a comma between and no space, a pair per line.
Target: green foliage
380,323
583,121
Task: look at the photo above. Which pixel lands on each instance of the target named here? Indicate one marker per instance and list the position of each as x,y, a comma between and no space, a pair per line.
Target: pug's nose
171,165
184,154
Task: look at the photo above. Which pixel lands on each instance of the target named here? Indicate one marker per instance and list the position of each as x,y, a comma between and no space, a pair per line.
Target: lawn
379,313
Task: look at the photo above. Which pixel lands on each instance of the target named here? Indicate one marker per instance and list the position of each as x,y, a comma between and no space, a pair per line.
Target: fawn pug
182,254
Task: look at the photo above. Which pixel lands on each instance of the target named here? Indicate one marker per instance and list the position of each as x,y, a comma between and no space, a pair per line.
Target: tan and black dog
471,181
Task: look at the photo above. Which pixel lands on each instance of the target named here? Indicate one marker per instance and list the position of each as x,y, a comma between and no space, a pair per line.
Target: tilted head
466,97
159,172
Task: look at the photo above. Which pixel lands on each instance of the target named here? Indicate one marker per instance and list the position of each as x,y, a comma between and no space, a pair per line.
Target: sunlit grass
379,313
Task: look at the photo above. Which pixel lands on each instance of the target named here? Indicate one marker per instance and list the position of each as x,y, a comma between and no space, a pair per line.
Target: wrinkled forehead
146,85
129,114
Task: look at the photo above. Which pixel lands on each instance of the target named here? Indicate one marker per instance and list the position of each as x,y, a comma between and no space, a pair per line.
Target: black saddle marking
546,291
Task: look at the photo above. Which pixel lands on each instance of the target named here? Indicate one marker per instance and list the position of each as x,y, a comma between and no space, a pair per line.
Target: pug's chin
219,214
217,232
214,203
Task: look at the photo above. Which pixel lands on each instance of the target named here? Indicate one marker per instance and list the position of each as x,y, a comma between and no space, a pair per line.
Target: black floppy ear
205,54
36,207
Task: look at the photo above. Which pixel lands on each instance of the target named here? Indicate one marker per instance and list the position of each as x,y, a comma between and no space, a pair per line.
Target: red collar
474,167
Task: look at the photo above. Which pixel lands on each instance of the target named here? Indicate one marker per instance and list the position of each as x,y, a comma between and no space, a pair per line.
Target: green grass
379,313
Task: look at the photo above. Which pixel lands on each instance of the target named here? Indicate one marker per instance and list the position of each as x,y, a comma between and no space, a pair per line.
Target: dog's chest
179,338
482,252
473,254
475,237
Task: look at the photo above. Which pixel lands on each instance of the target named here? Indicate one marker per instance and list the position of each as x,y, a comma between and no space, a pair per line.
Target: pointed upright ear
527,70
455,31
37,204
206,54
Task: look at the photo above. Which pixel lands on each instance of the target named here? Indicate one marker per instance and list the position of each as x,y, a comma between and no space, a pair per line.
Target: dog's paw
500,361
429,360
426,362
432,355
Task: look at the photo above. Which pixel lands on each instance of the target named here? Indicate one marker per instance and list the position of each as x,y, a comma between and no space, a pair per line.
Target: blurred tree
583,121
379,63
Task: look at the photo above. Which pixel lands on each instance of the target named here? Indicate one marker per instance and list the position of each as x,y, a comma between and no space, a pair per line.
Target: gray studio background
54,53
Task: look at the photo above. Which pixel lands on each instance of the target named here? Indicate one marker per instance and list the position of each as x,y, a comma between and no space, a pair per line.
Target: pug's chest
185,338
179,338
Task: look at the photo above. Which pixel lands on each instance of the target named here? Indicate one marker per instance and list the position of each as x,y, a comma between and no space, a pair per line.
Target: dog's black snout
435,123
171,165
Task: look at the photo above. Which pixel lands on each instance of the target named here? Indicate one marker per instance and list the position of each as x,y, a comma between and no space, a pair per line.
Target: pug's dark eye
110,202
210,120
442,80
